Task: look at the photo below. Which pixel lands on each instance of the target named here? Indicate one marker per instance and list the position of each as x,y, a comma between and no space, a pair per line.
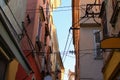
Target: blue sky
62,21
62,18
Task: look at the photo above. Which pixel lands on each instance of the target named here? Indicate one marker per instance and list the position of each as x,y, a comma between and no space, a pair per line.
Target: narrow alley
59,39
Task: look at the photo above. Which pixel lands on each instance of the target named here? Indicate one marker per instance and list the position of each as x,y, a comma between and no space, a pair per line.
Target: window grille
97,39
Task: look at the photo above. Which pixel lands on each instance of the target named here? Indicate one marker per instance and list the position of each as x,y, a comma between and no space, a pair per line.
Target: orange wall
12,69
21,74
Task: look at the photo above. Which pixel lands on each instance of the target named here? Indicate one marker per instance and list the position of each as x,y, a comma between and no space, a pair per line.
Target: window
98,52
44,1
46,30
39,29
47,9
33,77
42,16
47,13
97,38
97,35
42,64
46,33
38,35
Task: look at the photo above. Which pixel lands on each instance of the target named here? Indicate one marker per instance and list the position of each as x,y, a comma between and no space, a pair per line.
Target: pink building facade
35,40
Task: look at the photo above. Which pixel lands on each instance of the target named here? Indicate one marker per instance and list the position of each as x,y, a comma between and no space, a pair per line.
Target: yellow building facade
111,34
56,60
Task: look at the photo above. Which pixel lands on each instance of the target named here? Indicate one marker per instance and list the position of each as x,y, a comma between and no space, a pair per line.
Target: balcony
110,43
90,15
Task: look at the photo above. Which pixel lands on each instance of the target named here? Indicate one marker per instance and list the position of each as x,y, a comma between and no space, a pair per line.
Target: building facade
87,33
10,30
57,65
110,15
35,40
57,68
25,39
71,75
91,60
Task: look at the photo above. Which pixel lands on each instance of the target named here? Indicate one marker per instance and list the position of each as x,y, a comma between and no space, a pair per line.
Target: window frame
98,51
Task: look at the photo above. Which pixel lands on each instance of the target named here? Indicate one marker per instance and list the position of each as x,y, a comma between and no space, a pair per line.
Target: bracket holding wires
76,28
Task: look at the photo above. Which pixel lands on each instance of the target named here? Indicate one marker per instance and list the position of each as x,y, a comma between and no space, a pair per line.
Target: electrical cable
70,6
85,20
30,42
69,35
68,39
76,23
70,56
57,8
64,8
66,45
96,21
85,53
83,10
49,11
67,50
